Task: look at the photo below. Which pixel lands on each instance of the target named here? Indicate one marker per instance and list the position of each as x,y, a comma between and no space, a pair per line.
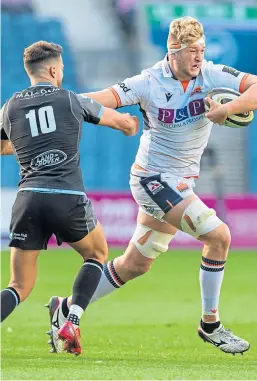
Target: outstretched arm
131,91
126,123
107,98
95,113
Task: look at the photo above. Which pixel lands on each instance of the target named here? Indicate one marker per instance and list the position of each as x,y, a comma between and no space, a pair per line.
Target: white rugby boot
57,319
225,340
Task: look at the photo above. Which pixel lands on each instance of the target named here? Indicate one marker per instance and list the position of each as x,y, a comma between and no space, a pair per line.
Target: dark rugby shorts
36,216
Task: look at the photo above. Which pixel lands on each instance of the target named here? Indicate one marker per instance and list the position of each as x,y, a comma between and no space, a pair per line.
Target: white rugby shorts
156,193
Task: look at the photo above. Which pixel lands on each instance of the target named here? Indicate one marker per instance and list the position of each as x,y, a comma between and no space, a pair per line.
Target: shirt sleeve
224,76
92,110
2,123
132,90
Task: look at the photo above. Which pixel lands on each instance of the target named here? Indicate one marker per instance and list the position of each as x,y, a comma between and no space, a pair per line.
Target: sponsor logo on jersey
182,187
231,70
194,108
168,96
124,87
31,94
48,159
154,186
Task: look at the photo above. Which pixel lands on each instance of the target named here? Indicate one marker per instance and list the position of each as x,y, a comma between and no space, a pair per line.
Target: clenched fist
131,125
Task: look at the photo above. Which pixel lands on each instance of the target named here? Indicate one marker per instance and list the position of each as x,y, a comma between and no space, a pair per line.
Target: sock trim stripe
213,261
93,261
212,269
114,274
109,277
15,296
93,264
211,265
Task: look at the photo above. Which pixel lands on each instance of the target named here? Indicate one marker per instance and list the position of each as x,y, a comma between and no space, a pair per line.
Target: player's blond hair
185,30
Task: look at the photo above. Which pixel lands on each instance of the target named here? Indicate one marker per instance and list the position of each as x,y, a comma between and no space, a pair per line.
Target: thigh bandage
149,242
198,219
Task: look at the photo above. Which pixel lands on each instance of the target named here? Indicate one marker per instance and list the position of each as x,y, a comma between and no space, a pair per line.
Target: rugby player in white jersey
176,131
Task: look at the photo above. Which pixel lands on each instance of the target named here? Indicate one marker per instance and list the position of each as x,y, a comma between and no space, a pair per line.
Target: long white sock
109,282
211,277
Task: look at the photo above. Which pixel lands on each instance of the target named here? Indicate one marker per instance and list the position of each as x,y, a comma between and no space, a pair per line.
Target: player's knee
225,236
150,243
22,290
221,241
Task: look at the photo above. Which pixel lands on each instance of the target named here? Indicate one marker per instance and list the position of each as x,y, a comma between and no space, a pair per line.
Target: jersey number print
46,120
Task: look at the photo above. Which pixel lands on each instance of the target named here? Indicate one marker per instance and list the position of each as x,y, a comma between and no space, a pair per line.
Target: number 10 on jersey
46,120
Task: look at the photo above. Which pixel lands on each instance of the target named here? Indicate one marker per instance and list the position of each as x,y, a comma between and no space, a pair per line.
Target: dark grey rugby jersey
44,123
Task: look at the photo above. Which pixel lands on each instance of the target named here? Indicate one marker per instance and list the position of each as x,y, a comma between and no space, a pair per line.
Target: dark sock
65,309
210,327
9,300
86,283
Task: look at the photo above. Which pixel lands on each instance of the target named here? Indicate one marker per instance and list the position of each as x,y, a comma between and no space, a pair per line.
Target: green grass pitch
145,331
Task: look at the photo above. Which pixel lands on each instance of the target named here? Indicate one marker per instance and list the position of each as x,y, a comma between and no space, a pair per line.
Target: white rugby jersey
176,130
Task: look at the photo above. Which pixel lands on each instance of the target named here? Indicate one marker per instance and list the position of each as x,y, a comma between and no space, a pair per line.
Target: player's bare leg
196,219
116,272
214,256
133,263
127,266
23,264
93,249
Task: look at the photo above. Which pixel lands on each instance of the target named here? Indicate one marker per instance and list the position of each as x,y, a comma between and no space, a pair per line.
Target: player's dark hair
39,52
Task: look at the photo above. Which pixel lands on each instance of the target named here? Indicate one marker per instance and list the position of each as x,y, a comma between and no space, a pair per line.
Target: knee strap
149,242
198,219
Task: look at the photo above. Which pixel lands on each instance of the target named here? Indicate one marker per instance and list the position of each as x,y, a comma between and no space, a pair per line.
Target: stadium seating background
106,156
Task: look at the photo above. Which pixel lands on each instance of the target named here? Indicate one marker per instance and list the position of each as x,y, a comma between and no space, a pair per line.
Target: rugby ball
223,95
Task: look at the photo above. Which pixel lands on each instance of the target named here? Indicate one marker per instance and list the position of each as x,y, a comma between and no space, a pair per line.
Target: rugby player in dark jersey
41,125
